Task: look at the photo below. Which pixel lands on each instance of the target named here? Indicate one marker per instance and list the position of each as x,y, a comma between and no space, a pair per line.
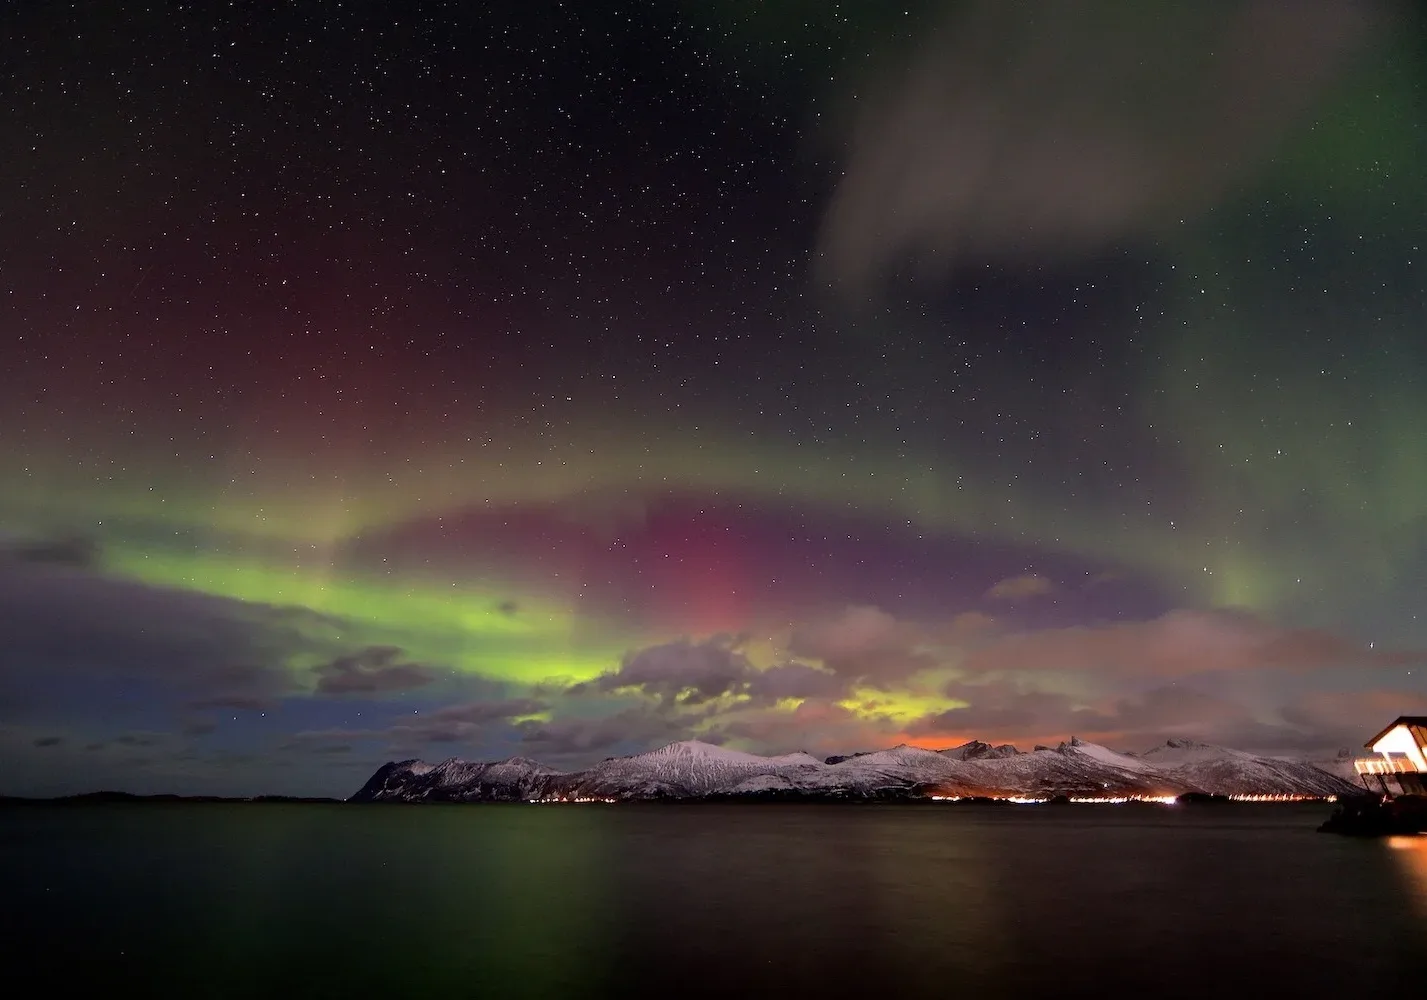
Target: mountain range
696,770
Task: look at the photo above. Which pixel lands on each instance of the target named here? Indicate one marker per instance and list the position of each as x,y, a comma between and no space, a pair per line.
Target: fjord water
708,900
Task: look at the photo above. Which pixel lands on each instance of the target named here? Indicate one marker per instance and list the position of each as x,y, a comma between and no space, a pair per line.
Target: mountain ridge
693,769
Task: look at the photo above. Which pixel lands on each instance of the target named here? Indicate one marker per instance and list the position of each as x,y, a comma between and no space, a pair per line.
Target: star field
558,379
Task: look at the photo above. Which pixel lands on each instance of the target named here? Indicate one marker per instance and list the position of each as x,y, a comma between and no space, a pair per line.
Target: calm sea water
726,901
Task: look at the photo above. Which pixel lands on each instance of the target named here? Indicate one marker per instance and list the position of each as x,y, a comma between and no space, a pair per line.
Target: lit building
1401,758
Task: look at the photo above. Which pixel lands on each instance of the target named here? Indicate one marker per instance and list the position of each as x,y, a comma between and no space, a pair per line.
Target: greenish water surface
711,900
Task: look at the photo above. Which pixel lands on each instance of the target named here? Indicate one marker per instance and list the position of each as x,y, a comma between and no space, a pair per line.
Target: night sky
386,380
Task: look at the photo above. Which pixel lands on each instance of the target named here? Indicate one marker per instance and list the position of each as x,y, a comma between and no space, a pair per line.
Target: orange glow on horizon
928,742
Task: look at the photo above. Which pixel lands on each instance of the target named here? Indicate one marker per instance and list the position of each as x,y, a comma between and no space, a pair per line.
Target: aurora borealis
559,380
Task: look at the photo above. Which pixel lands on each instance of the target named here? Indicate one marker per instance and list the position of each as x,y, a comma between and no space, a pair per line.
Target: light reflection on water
1411,854
710,900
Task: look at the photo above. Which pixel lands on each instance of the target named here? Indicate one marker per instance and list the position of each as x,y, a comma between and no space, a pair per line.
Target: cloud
65,631
795,680
864,643
233,702
968,625
49,741
74,551
631,730
374,670
709,689
1013,711
312,740
681,672
1020,588
686,673
818,726
242,687
456,723
1351,717
869,645
464,723
141,739
1178,644
1025,129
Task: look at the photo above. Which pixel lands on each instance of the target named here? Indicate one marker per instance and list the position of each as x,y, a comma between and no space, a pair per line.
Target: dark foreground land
710,900
111,798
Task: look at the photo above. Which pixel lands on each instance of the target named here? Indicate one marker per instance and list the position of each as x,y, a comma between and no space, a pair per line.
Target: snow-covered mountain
684,770
1074,768
512,780
1339,765
692,769
1233,772
976,750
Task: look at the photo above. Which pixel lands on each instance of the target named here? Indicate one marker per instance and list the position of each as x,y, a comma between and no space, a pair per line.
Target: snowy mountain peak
527,763
1174,752
798,758
900,752
977,750
1105,756
698,748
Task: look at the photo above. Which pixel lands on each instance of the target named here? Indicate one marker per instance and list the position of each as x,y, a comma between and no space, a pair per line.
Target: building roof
1416,723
